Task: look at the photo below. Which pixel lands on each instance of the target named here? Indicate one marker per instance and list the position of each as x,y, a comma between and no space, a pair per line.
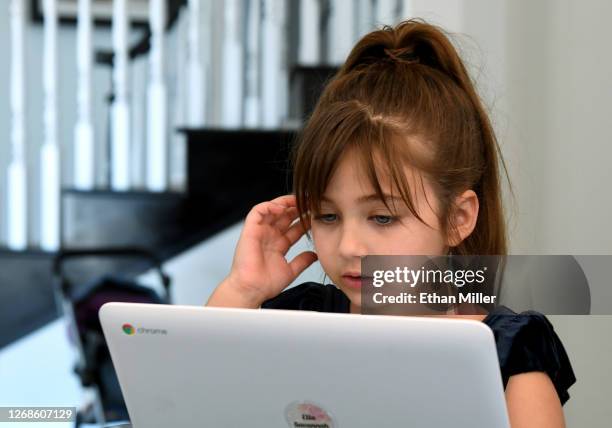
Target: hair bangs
378,141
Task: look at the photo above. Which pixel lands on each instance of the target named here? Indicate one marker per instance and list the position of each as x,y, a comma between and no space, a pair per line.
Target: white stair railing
83,131
271,62
178,119
341,30
16,214
252,99
252,81
232,65
309,43
120,109
139,67
195,68
50,183
157,136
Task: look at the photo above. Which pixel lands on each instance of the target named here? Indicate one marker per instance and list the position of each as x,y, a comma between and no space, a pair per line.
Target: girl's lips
353,281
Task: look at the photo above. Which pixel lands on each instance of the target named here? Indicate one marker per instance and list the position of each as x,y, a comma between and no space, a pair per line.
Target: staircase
227,172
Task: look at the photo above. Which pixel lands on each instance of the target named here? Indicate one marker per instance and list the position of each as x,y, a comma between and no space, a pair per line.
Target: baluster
232,66
271,62
178,173
120,110
283,77
195,68
252,101
309,16
50,155
157,101
138,121
83,131
340,31
17,235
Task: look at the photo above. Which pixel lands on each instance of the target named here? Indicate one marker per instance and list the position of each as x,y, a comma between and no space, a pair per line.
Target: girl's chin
355,308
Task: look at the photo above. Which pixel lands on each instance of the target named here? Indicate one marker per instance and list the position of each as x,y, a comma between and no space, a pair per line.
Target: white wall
587,342
558,97
543,71
576,176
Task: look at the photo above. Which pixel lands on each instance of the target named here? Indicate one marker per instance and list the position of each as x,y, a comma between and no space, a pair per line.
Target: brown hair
403,87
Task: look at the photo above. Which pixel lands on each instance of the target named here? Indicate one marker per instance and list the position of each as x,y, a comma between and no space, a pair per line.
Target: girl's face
353,223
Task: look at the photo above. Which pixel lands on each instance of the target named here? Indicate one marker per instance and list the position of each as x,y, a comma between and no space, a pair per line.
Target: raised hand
260,270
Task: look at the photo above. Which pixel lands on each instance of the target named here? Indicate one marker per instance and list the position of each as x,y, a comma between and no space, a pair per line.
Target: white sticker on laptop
305,414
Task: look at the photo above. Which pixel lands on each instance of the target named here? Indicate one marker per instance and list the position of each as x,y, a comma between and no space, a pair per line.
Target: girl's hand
259,268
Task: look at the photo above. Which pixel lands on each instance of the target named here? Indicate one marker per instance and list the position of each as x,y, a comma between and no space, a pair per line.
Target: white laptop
189,366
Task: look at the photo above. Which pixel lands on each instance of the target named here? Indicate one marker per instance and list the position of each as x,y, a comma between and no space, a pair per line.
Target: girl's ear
464,215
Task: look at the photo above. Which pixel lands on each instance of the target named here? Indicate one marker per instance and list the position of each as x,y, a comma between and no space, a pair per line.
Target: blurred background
145,130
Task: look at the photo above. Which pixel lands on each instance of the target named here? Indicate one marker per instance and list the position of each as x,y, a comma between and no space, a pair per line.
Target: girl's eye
383,220
326,218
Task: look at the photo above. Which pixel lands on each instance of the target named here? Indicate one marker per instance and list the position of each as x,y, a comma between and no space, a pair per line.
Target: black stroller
80,307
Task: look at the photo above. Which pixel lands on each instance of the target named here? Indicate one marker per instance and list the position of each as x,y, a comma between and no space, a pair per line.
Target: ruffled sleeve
527,342
310,296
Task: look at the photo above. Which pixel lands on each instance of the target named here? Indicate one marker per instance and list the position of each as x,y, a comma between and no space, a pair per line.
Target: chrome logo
128,329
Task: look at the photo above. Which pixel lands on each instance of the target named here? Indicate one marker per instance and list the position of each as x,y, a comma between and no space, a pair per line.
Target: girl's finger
265,213
284,221
294,233
285,200
302,261
282,210
268,212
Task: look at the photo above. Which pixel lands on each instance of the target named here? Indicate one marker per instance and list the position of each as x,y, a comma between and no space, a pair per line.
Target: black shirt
525,342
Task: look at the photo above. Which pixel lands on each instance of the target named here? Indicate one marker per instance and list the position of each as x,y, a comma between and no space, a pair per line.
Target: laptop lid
188,366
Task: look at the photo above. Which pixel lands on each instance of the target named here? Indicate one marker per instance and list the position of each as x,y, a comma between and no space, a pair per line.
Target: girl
398,158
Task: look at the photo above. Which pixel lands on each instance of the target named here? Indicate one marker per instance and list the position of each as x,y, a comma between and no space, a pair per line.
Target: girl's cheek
315,235
318,241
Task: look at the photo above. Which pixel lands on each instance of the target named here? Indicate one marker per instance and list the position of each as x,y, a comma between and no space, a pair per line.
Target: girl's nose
352,242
